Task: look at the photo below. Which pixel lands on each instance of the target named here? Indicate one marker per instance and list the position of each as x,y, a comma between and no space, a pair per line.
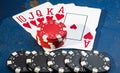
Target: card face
75,24
81,23
31,18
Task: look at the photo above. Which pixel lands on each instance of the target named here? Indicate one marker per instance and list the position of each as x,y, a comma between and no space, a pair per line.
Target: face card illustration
75,24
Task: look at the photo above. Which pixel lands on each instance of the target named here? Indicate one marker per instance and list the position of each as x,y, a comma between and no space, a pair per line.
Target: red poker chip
49,45
56,40
41,43
51,34
52,41
52,30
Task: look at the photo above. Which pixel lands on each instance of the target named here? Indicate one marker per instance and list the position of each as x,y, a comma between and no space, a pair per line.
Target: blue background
14,38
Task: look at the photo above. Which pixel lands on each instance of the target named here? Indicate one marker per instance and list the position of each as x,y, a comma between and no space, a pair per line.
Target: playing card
30,19
81,23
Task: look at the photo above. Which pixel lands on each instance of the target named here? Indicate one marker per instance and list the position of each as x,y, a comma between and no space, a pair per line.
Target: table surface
13,37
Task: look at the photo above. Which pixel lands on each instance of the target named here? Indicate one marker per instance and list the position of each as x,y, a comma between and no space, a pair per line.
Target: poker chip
52,33
95,62
17,62
56,61
72,61
52,30
37,62
48,44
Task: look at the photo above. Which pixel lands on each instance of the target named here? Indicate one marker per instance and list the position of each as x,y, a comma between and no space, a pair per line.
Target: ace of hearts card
81,23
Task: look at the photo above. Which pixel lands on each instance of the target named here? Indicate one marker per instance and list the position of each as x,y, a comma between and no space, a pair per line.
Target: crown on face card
61,25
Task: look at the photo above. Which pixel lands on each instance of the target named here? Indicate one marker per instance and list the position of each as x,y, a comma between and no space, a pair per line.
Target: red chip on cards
52,34
48,45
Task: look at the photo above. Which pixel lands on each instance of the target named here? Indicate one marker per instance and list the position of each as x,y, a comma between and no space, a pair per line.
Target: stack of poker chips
58,61
51,34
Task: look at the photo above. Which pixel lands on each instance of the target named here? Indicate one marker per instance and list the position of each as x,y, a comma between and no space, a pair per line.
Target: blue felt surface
13,37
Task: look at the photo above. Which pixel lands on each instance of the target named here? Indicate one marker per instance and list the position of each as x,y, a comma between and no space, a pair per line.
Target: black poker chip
56,61
72,60
17,62
37,62
95,62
